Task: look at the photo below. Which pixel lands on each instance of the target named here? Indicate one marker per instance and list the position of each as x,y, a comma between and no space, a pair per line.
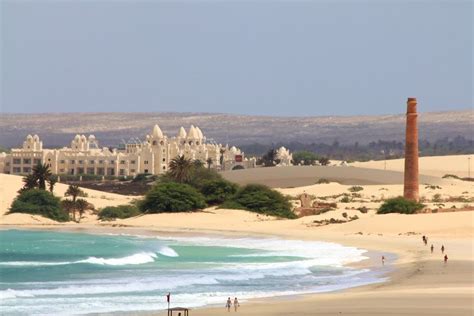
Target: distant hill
110,128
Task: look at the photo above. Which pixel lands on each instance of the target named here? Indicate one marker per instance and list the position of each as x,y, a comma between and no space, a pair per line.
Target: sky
260,57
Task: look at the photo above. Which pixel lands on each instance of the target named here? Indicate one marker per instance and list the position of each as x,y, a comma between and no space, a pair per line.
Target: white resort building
152,155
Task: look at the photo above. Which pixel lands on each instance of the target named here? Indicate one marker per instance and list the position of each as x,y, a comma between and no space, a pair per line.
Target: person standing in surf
228,305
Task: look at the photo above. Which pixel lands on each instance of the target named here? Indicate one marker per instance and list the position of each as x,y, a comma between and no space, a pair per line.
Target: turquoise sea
56,273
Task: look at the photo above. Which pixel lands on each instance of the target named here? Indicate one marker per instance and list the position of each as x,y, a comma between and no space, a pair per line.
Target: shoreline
385,274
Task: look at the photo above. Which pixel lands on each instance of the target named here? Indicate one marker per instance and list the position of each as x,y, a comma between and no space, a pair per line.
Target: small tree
42,173
74,191
69,207
52,180
269,159
29,182
305,157
81,206
180,169
324,161
209,163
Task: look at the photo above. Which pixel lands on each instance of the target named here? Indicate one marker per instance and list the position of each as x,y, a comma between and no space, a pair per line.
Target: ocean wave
138,258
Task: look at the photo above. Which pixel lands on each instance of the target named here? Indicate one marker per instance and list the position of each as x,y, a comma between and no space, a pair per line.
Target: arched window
154,143
162,143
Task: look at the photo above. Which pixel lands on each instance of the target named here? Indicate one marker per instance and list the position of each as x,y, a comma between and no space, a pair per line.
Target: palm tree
209,163
42,174
52,182
74,191
70,207
30,182
180,169
81,206
198,164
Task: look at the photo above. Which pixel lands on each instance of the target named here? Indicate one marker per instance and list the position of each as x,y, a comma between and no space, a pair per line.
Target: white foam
167,252
138,258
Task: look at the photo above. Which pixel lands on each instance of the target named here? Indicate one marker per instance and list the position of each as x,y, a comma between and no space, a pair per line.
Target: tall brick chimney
410,189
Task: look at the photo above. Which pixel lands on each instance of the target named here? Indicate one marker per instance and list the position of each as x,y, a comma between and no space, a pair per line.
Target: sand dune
436,166
295,176
10,184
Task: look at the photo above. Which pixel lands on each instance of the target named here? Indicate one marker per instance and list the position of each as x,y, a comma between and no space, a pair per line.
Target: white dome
192,134
36,137
29,137
91,137
199,132
77,137
83,138
157,133
182,132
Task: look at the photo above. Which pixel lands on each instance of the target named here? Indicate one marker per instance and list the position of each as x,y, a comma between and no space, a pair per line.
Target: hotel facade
151,155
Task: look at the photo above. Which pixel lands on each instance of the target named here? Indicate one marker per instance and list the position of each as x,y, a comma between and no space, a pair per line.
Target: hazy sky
249,57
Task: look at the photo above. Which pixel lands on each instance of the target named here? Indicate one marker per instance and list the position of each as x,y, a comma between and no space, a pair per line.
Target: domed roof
36,137
192,134
200,135
29,137
91,137
182,132
83,137
157,133
77,137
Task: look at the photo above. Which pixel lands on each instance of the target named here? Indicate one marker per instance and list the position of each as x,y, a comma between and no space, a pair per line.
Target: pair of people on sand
228,305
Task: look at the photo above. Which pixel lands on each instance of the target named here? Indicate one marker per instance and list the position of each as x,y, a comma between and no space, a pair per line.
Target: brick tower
410,189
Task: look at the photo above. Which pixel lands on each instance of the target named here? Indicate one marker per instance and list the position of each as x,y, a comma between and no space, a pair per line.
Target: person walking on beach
424,239
432,248
445,258
442,249
236,304
383,260
228,305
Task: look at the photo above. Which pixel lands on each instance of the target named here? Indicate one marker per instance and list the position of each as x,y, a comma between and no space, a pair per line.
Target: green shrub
355,188
399,205
437,197
39,202
363,209
261,199
452,176
172,197
345,199
322,181
122,211
304,157
200,175
218,191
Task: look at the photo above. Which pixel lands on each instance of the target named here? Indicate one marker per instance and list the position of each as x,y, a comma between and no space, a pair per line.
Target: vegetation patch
261,199
322,181
355,188
39,202
218,191
400,205
121,211
172,197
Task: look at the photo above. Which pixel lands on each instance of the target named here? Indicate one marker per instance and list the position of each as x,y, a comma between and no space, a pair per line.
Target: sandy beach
419,283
